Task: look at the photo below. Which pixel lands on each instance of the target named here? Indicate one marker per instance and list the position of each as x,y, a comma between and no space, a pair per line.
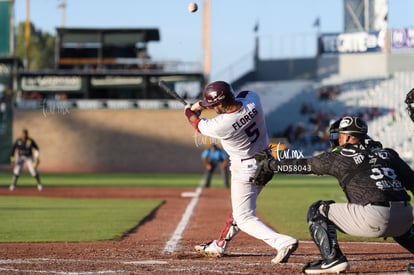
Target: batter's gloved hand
197,107
188,106
263,172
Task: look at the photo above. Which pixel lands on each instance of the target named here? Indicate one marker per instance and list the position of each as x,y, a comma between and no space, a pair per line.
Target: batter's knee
318,210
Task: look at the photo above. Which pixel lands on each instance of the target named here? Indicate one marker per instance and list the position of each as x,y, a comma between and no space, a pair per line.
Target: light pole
27,34
62,6
206,39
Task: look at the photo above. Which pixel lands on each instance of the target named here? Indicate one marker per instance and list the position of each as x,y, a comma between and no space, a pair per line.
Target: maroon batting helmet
217,92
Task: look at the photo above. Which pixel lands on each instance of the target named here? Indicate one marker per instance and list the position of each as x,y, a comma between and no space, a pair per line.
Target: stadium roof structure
114,36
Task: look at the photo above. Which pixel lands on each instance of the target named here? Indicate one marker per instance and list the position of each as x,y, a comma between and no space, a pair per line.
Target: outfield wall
112,140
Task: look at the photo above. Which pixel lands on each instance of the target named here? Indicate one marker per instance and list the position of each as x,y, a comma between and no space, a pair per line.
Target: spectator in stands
213,157
307,108
289,133
327,93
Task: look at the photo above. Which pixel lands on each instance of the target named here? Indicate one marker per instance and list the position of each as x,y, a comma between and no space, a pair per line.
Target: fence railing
63,106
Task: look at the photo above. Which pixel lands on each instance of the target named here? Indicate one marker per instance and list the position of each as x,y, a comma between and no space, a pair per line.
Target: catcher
375,181
27,152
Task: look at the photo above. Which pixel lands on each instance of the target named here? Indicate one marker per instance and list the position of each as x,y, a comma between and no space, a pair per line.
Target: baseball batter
240,125
374,180
27,152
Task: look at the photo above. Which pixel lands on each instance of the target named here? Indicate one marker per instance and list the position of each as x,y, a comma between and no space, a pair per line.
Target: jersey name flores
243,133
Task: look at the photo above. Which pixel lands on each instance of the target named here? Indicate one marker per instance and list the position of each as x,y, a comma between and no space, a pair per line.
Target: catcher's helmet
334,134
353,126
217,92
409,100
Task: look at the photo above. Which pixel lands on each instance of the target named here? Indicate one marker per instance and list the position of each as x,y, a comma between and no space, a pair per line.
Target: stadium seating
379,100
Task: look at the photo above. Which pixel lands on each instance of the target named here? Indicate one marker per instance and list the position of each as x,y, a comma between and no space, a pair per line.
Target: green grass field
283,203
112,179
69,220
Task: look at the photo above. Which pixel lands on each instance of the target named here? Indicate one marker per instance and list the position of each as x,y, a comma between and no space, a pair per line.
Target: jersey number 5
253,132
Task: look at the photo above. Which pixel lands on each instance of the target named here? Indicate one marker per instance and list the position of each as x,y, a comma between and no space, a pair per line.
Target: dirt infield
143,250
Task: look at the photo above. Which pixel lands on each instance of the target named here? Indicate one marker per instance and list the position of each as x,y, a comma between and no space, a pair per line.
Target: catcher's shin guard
228,232
407,240
323,231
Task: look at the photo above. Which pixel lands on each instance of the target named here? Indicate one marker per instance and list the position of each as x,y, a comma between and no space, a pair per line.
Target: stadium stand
297,105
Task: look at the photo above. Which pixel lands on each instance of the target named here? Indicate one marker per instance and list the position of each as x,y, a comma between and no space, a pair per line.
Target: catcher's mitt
409,100
263,173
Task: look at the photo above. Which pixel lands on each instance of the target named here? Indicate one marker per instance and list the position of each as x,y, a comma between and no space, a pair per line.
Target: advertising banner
358,42
402,39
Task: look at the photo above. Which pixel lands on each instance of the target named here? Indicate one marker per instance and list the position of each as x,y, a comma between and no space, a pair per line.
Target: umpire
213,157
374,181
27,152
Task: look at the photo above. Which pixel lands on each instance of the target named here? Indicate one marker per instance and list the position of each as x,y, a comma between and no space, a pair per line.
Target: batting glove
196,107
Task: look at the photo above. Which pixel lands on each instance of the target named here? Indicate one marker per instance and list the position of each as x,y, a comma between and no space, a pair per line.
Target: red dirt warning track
142,251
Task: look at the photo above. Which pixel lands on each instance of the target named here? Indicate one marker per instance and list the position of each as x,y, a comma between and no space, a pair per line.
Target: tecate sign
359,42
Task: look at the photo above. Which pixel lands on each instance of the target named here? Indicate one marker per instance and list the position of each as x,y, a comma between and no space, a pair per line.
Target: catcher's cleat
210,249
337,265
410,268
284,253
40,187
12,187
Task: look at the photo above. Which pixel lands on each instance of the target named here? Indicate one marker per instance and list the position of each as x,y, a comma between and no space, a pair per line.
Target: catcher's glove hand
263,172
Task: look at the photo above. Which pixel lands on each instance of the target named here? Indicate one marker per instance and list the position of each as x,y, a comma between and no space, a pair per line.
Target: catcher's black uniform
374,181
366,176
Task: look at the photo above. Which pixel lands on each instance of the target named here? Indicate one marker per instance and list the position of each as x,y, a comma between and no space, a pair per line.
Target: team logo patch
345,122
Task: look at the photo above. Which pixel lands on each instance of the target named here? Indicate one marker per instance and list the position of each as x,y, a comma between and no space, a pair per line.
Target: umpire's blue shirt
214,156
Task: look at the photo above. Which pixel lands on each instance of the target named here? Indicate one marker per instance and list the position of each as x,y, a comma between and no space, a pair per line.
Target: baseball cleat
40,187
12,187
338,265
284,253
410,267
210,249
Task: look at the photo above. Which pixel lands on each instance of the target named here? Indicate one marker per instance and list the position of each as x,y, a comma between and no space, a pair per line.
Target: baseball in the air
192,7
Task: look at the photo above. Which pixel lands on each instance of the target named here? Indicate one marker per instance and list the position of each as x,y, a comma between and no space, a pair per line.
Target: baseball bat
172,93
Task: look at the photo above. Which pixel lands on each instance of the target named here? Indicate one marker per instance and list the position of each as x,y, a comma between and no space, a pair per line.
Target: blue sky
285,27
